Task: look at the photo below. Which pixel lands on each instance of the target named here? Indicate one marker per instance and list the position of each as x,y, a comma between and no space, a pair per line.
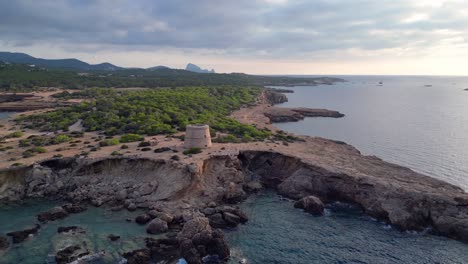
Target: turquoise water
279,233
97,222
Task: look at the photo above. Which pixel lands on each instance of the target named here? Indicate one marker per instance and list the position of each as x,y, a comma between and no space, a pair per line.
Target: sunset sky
417,37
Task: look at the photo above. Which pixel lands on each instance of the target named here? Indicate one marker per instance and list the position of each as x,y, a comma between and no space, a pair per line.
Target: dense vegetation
151,112
18,77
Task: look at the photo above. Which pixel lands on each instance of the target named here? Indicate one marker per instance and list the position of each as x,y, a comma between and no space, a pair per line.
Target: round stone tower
197,136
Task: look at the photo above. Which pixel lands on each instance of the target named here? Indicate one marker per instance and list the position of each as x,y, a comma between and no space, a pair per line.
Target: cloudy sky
427,37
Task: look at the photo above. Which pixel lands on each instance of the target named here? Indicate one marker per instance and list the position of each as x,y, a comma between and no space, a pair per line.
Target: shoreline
330,170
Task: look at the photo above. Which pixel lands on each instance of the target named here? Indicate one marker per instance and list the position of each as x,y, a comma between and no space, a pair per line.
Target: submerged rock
70,253
4,242
113,237
64,229
20,236
52,214
311,204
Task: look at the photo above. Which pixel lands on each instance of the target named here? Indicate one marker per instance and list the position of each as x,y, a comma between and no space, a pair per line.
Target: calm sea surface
418,122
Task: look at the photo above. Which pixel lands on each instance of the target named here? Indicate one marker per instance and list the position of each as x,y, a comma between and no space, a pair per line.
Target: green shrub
116,153
145,149
60,139
109,142
131,138
192,151
124,146
17,164
58,156
16,134
39,150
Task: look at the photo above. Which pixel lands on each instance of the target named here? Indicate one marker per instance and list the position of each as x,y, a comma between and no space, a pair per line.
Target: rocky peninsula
187,200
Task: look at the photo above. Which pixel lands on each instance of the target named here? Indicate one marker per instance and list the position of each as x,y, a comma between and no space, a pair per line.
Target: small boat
428,85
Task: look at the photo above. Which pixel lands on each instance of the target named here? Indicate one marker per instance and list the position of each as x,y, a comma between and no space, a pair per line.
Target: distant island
194,68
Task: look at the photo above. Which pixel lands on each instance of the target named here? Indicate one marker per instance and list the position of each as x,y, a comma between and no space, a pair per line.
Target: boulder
142,219
131,207
157,226
161,215
20,236
311,204
121,195
253,186
52,214
198,240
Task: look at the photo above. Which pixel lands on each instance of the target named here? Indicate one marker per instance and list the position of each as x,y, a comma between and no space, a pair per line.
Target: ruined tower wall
197,136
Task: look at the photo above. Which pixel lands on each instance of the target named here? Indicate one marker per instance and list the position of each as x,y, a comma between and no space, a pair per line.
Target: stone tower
197,136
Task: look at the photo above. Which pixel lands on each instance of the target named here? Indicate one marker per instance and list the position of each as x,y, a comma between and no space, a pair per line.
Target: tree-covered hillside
151,112
19,77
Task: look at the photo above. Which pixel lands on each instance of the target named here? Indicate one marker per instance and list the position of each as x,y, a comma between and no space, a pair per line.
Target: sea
415,121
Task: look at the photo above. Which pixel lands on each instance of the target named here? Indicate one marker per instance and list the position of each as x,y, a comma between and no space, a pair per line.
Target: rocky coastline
189,201
282,114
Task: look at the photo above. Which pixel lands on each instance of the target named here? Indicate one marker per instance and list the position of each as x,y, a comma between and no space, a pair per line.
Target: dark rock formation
139,256
52,214
197,240
272,97
20,236
74,208
113,237
70,253
143,219
4,243
311,204
157,226
277,114
163,149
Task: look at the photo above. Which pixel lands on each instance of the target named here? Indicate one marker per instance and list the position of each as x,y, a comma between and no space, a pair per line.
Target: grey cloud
252,28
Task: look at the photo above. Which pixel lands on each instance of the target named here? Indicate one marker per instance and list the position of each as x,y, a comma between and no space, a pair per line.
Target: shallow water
97,222
279,233
403,121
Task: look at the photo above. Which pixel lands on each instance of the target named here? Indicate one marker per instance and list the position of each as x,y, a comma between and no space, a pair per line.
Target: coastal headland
194,195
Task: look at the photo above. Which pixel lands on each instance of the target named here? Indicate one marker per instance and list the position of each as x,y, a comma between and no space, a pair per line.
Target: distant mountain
23,58
194,68
155,68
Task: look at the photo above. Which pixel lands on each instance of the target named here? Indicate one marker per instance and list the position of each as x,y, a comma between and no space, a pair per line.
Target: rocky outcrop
225,216
197,240
407,200
277,114
311,204
272,97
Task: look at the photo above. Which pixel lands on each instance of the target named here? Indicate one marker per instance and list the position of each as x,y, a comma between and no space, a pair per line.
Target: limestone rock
311,204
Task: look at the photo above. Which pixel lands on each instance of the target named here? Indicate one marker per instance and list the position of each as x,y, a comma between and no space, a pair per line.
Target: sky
394,37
